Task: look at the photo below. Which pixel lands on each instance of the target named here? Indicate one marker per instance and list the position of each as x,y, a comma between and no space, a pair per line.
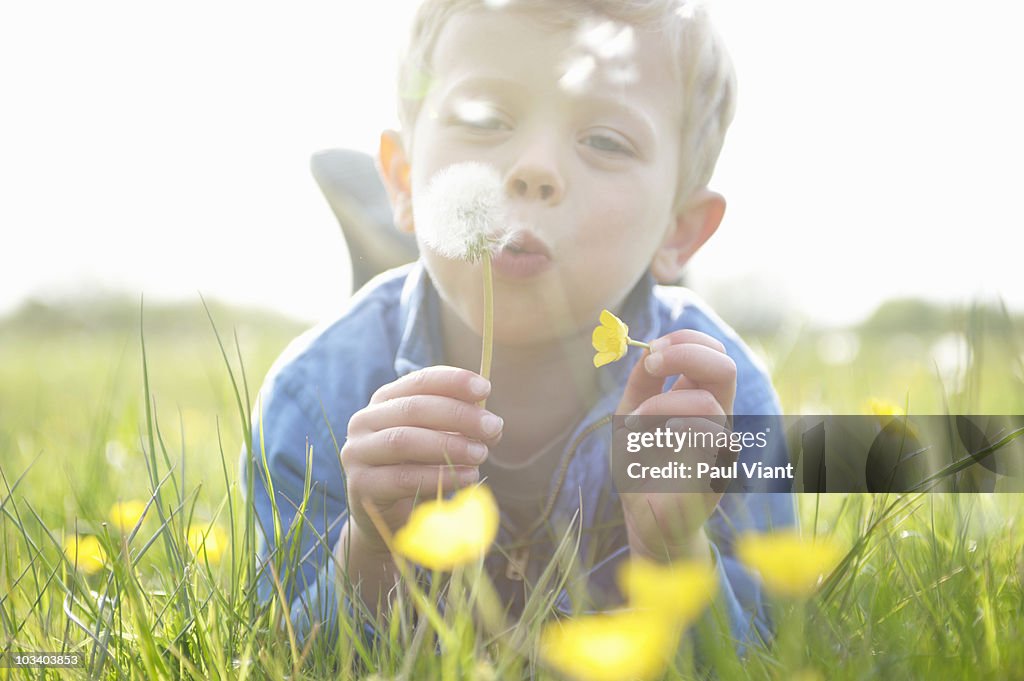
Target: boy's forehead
516,51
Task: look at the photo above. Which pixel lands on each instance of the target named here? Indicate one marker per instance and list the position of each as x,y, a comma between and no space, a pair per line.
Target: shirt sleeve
289,447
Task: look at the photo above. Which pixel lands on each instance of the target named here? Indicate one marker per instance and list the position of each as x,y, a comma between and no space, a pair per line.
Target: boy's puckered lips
525,242
523,257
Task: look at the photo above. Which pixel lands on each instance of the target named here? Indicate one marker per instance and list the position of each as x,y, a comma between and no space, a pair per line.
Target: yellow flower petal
880,407
441,535
609,647
125,515
86,553
603,339
612,322
790,566
609,339
208,544
679,591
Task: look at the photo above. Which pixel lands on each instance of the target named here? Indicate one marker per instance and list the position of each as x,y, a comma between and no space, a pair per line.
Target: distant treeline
927,318
120,313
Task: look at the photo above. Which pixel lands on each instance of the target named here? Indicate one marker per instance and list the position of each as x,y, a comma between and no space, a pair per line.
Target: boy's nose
527,190
533,180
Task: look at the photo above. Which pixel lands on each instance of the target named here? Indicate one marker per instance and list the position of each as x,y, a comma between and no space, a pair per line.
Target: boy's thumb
640,387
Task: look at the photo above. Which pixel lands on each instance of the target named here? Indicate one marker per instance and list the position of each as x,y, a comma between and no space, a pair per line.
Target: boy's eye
608,144
489,123
478,115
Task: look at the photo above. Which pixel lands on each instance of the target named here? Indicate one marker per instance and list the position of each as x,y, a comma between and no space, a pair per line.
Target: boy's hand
662,525
423,427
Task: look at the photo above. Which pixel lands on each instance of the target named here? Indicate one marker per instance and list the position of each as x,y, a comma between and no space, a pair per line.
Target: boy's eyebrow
474,82
611,104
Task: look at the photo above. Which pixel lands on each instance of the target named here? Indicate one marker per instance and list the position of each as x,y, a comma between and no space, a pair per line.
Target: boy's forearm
372,574
697,547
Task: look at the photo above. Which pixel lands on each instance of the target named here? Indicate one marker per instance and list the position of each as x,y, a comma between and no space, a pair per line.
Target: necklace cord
563,472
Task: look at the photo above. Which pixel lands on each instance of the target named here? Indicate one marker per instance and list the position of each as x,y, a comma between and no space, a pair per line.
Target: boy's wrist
354,545
696,547
372,573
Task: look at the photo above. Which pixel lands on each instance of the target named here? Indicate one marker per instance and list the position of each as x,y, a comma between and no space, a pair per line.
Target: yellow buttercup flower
880,407
790,566
208,544
609,647
441,535
678,591
611,339
125,515
637,643
86,553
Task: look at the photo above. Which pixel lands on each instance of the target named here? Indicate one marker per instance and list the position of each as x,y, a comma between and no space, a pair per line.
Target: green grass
933,586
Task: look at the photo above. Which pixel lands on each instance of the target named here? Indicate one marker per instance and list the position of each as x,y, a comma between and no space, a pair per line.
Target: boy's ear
694,224
393,166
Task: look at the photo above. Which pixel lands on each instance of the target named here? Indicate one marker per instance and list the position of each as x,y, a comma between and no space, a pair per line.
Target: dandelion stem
488,330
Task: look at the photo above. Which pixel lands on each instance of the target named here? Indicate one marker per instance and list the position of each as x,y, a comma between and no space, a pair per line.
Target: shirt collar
421,344
419,313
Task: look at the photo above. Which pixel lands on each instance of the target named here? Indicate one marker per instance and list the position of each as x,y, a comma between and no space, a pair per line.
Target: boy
603,120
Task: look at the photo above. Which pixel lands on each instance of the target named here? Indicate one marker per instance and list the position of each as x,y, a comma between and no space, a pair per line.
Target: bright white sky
877,151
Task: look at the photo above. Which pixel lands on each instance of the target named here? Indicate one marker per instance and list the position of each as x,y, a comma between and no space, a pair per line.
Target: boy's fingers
409,444
700,366
644,383
698,424
429,411
446,381
639,386
390,483
686,336
695,402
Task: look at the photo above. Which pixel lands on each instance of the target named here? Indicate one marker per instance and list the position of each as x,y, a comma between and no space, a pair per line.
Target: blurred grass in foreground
934,585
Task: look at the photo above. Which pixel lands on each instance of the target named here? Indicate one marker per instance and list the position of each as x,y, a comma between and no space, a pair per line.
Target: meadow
106,401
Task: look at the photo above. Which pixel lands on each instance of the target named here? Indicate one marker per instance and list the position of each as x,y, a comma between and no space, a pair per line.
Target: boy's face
591,171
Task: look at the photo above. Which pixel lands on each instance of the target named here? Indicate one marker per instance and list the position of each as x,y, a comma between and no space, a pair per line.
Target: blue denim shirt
392,327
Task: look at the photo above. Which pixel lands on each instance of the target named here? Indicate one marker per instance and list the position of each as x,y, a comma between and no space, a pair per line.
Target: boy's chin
522,335
524,329
523,316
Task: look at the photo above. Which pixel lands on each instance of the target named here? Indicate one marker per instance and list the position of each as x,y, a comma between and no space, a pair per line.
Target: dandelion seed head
462,213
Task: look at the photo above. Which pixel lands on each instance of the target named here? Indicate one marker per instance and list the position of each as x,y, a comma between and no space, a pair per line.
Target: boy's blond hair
699,58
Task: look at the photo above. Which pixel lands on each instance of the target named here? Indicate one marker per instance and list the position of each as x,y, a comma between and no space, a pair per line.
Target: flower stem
488,330
639,344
